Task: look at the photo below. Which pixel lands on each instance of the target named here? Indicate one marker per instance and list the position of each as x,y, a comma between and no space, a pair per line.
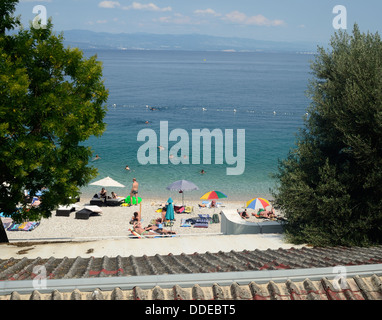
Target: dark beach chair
100,202
113,202
87,212
65,211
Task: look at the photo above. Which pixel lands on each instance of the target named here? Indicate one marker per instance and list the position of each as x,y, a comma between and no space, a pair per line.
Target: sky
274,20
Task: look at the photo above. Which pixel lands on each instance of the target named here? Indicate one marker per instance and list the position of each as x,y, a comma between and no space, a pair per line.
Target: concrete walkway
139,247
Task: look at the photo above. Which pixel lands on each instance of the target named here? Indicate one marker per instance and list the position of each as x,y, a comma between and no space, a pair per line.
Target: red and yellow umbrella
213,195
257,203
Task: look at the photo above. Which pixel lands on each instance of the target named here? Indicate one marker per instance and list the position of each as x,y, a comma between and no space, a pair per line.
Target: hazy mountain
144,41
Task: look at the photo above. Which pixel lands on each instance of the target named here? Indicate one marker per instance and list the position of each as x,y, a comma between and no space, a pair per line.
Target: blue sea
261,93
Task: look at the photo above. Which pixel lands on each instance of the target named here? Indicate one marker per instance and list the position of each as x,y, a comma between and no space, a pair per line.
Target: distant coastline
85,39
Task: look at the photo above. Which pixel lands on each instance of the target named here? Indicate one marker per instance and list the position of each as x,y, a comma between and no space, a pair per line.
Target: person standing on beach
134,191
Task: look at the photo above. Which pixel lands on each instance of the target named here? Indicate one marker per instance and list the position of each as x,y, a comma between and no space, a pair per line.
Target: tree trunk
3,234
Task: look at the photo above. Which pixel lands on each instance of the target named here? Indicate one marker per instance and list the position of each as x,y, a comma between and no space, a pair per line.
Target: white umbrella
107,182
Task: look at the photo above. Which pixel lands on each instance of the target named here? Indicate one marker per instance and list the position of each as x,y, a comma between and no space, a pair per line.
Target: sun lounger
65,211
113,202
88,211
100,202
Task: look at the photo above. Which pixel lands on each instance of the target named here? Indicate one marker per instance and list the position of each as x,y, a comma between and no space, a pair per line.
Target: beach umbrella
213,195
257,203
181,186
107,182
170,212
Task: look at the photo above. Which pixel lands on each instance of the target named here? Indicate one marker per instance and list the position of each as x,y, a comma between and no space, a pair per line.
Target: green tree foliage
330,185
52,99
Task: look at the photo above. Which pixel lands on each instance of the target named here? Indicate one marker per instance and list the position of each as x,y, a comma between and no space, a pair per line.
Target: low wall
232,223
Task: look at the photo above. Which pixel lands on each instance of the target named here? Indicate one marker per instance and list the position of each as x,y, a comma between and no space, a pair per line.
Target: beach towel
179,209
184,223
135,234
202,221
13,227
200,225
6,225
32,226
22,225
189,209
25,226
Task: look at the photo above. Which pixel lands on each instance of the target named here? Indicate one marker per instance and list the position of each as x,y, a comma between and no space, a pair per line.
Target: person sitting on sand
114,195
243,214
134,218
137,215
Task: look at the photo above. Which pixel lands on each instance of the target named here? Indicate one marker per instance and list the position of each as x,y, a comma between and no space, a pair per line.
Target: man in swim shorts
134,191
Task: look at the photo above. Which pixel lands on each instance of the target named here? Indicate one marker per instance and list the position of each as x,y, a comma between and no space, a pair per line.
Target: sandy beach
114,222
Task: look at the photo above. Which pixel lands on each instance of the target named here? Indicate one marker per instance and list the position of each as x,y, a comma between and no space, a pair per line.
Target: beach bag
215,218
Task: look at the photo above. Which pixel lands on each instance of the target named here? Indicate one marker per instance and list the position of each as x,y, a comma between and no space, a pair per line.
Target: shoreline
114,222
151,196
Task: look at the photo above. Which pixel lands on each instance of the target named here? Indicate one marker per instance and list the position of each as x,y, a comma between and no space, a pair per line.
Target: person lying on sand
212,204
159,229
265,214
150,230
243,214
142,231
268,214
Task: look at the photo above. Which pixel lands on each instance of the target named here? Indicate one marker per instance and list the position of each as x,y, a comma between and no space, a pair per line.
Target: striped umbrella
257,203
213,195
